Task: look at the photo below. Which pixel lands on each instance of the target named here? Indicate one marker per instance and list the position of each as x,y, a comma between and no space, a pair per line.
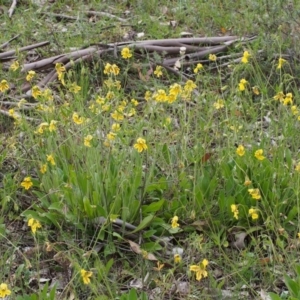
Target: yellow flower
109,95
61,78
34,224
253,213
294,110
11,113
255,90
50,158
52,126
159,266
126,53
43,126
219,104
200,270
115,127
198,68
247,181
245,57
36,91
4,291
76,119
212,57
140,145
115,69
14,66
134,102
186,95
43,168
100,100
171,98
259,154
240,150
298,234
48,94
4,85
189,86
175,89
30,75
297,168
242,84
86,275
111,136
60,68
255,193
160,96
279,96
174,222
87,140
147,96
118,85
177,258
131,112
281,61
235,211
288,99
74,88
27,183
118,116
107,68
21,103
158,71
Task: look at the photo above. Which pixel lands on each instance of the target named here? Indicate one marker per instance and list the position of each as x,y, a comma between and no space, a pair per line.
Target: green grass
190,169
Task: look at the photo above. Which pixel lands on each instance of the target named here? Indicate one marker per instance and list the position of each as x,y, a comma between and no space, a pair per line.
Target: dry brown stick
63,58
6,113
176,42
105,14
7,43
169,50
12,8
12,52
53,75
200,54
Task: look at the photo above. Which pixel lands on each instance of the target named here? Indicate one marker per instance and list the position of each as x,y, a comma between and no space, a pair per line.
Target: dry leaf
239,241
135,247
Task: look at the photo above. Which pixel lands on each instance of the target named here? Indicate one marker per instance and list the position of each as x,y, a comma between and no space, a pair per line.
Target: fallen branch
7,43
105,14
12,8
26,48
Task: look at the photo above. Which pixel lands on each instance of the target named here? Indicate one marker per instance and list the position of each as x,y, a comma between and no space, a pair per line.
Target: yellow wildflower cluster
4,290
111,69
86,276
45,126
140,145
34,225
235,211
245,58
200,270
60,71
288,100
4,86
255,193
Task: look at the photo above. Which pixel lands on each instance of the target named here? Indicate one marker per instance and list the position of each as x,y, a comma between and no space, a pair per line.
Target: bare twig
12,8
105,14
6,113
7,43
13,52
